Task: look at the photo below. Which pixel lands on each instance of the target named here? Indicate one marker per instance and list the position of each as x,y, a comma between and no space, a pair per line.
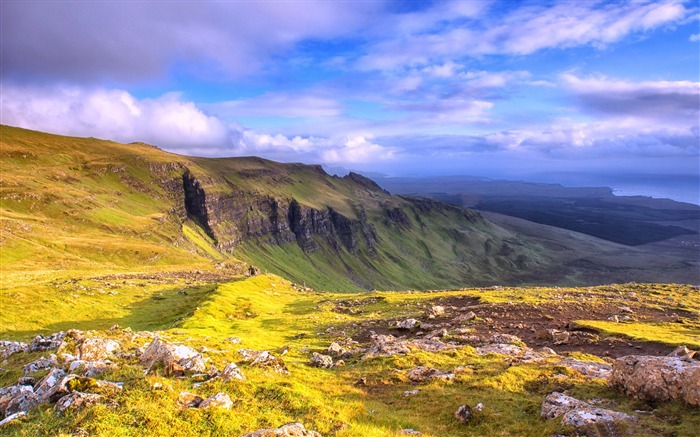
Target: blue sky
503,89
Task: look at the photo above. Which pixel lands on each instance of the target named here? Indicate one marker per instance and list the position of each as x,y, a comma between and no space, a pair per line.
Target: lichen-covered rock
77,400
231,372
579,414
90,368
422,374
96,349
320,360
588,368
288,430
16,398
51,386
218,400
263,359
40,364
189,400
657,378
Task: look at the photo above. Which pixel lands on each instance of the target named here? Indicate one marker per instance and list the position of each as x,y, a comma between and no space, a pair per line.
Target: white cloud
290,105
695,37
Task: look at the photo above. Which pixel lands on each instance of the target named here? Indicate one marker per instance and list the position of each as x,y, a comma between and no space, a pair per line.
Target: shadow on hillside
163,310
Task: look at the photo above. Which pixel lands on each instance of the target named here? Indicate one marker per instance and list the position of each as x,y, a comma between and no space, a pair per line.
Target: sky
577,90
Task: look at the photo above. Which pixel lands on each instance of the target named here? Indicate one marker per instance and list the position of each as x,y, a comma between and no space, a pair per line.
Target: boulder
12,418
231,372
683,353
175,358
218,400
90,368
462,318
465,413
189,400
95,348
579,414
588,368
288,430
422,374
336,350
51,386
77,400
323,361
657,378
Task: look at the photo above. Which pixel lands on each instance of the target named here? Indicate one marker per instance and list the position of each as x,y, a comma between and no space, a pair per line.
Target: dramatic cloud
525,30
129,41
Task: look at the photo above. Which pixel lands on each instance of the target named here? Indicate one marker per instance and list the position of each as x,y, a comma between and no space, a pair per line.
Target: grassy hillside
269,313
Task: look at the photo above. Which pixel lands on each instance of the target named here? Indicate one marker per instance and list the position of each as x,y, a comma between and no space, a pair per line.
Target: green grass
671,334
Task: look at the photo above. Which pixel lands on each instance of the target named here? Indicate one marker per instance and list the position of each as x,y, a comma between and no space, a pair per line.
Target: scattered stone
263,359
411,392
408,324
463,414
323,361
657,378
77,400
422,374
560,337
52,386
683,353
40,364
288,430
157,386
579,414
231,372
625,309
218,400
189,400
435,311
234,340
409,431
500,348
614,319
385,346
12,418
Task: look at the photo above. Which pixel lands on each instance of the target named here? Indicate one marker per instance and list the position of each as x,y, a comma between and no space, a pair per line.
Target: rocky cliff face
237,216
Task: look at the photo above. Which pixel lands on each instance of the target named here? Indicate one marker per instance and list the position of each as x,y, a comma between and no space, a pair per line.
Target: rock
12,418
288,430
579,414
26,380
422,374
683,353
614,318
462,318
408,324
560,337
263,359
51,386
411,392
588,368
385,346
96,349
435,311
234,340
189,400
218,400
336,350
409,431
77,400
500,348
16,398
8,348
625,309
464,414
175,358
231,372
40,364
657,378
52,342
323,361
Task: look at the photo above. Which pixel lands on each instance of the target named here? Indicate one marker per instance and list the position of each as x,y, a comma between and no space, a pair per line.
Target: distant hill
85,203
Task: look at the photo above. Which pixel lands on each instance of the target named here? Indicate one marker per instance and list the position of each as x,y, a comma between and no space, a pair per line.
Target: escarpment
239,215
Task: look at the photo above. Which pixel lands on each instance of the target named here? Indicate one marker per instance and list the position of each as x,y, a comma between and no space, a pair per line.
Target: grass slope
267,312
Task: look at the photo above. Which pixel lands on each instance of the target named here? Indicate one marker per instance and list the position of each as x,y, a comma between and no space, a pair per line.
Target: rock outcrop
657,378
288,430
582,415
